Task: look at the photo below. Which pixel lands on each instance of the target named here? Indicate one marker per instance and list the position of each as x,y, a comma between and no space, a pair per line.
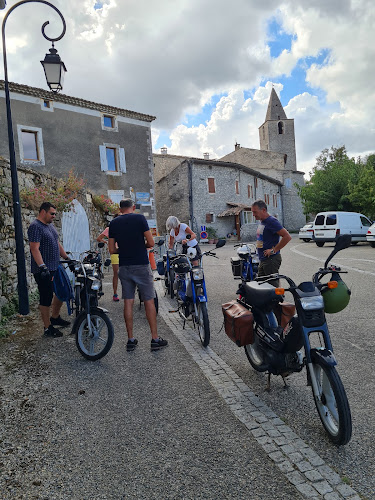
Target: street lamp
54,80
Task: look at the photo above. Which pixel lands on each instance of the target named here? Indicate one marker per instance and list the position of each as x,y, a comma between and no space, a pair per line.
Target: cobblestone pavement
301,465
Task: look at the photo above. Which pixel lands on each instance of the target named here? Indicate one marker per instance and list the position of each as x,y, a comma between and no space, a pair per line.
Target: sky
205,68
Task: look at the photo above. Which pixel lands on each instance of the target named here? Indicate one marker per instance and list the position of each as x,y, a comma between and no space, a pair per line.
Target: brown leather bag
238,323
284,312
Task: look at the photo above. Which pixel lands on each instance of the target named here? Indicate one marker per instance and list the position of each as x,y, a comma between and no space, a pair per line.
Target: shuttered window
211,185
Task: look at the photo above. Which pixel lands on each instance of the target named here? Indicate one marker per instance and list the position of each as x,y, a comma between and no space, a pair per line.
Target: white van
328,226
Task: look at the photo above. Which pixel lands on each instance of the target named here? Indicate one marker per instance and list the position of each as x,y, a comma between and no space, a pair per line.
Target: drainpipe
190,181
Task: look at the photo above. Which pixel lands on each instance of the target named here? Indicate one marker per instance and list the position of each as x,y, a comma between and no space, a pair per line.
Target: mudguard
84,313
325,355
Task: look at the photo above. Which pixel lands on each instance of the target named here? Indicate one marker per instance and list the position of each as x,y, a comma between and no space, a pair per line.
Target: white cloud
169,58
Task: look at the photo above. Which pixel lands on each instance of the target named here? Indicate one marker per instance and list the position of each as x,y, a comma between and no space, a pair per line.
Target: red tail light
337,232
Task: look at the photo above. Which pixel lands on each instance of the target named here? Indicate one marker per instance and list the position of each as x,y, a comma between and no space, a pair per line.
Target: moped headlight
311,303
95,285
197,274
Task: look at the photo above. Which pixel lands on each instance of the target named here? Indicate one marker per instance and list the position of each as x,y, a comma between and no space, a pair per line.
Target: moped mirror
188,236
107,263
101,244
160,243
220,243
342,242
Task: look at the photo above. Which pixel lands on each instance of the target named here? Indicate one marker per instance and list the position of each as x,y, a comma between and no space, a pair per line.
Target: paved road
352,333
184,422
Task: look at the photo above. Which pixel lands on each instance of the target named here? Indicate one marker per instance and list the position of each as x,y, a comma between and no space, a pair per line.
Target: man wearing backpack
45,251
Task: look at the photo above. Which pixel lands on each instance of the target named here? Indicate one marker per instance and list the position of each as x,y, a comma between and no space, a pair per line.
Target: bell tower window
280,126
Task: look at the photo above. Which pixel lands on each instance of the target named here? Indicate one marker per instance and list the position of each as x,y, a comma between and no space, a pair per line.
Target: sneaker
115,298
51,331
158,343
131,345
59,322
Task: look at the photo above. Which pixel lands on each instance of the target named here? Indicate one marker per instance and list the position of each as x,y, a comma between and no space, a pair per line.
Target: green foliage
211,233
337,183
61,195
105,205
362,194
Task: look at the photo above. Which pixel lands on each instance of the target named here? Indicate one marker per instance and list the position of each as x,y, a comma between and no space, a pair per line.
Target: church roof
275,110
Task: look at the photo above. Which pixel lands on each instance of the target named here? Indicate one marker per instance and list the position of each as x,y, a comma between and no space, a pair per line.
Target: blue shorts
141,276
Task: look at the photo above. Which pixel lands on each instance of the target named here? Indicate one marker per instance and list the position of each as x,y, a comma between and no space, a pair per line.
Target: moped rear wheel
97,344
332,406
203,324
255,356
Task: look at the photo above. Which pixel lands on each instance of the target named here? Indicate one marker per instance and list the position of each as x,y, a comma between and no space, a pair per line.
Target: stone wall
28,178
172,195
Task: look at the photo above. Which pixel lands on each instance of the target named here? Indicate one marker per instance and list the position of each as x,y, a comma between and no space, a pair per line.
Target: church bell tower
277,132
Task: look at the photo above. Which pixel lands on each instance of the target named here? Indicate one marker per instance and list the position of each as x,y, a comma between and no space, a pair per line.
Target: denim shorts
141,276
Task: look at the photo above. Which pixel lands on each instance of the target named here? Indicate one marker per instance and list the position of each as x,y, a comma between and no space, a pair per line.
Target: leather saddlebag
238,323
284,312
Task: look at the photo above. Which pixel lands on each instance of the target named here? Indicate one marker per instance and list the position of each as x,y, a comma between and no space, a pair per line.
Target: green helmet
336,299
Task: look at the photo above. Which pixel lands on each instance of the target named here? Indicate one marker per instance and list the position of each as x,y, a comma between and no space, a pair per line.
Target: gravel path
132,425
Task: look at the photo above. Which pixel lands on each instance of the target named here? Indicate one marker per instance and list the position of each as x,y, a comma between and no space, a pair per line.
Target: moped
245,265
92,327
190,287
276,346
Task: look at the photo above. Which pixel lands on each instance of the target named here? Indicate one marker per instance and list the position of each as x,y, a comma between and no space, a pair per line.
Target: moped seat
259,294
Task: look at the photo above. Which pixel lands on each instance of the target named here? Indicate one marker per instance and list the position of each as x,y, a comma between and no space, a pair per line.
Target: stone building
109,147
269,173
215,194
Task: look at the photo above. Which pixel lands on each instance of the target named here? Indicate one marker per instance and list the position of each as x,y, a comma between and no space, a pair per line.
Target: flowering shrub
61,195
105,205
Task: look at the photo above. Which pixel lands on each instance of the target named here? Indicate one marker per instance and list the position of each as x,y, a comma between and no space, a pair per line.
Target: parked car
328,226
306,233
370,236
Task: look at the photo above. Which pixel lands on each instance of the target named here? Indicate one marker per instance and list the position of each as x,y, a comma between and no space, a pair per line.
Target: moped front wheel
203,324
77,299
96,344
332,404
255,355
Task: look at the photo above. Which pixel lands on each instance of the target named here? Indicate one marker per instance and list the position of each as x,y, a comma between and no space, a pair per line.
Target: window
280,126
331,220
264,136
365,221
249,191
30,145
112,163
256,182
46,105
319,221
274,200
210,218
267,199
109,122
248,217
211,185
237,188
288,182
112,159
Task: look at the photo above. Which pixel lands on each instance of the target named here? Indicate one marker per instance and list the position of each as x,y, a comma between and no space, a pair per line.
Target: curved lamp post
54,70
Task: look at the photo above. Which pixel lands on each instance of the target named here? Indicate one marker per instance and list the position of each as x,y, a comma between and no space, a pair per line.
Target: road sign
204,235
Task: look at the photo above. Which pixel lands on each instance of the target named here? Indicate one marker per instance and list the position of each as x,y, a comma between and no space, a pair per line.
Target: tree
362,195
332,179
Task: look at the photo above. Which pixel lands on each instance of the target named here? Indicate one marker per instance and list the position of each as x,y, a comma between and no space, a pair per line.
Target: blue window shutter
122,160
103,158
